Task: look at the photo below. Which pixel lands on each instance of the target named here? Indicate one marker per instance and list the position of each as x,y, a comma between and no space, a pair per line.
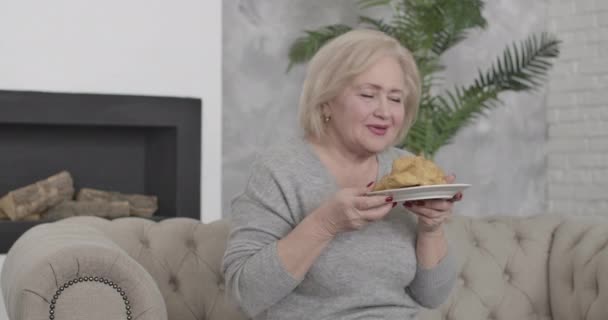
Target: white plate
437,191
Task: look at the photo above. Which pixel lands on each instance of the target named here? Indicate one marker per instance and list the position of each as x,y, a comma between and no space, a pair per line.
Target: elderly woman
306,242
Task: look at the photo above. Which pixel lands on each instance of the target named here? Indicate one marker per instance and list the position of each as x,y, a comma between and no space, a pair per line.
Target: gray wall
501,155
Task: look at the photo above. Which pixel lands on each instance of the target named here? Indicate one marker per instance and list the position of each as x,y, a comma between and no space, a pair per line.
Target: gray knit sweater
366,274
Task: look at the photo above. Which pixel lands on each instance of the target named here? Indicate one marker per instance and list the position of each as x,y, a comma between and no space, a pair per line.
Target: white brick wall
577,109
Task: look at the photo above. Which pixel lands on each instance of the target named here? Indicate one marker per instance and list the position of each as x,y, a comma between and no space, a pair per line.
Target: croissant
409,171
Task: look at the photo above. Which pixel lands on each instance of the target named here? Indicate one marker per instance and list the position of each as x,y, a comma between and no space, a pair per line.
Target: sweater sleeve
255,277
431,287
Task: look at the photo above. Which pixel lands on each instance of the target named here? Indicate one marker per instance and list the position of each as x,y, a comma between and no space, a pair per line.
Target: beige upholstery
578,281
503,269
542,267
51,255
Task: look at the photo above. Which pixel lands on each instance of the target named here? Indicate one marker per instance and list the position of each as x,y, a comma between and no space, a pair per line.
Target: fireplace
129,144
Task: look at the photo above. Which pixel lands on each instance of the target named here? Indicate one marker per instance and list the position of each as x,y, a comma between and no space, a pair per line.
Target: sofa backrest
183,255
503,261
578,278
503,268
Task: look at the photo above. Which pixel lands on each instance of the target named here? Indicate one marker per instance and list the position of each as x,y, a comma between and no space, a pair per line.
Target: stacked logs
54,198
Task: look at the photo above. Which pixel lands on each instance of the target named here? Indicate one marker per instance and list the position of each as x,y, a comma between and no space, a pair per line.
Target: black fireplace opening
123,143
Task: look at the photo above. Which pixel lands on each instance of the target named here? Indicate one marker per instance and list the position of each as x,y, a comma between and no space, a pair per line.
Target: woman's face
367,116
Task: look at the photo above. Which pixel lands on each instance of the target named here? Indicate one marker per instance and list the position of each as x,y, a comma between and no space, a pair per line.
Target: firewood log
102,209
32,217
38,197
140,205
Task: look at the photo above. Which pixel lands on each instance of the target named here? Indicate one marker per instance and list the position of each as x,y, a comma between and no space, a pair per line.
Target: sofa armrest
578,269
73,271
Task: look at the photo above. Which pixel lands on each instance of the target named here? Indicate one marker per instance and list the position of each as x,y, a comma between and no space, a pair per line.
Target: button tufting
173,283
518,238
492,315
462,280
145,243
570,281
507,275
596,287
190,244
475,242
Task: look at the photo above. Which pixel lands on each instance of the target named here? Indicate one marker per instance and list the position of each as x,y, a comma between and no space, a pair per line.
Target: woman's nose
382,108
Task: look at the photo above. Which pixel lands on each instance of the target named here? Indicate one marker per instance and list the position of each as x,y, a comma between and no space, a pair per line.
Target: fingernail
408,204
389,199
394,204
419,203
459,196
370,184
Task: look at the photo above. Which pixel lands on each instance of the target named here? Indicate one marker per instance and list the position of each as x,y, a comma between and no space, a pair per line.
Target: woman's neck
350,168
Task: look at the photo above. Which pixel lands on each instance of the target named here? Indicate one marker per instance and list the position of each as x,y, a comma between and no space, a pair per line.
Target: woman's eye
398,100
369,96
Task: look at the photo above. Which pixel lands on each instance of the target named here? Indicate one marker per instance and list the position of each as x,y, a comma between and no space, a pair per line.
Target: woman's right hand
351,209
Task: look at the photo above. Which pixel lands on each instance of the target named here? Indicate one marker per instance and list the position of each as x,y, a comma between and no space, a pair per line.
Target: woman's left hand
432,213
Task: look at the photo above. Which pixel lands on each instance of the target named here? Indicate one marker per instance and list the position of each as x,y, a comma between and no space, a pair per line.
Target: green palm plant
428,28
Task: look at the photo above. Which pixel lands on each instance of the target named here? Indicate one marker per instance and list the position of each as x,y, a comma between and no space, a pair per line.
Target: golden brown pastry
411,171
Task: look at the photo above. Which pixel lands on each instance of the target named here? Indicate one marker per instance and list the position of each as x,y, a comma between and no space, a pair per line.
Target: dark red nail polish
419,203
389,199
394,204
370,184
408,204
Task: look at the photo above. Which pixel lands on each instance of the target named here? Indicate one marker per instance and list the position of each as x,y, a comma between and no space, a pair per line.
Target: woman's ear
325,110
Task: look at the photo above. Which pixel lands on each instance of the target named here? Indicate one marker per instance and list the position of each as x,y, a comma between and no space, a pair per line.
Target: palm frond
429,68
459,17
462,107
379,25
450,113
364,4
305,47
416,23
416,140
522,67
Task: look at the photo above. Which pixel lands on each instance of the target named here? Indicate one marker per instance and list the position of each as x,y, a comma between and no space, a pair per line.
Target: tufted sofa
542,267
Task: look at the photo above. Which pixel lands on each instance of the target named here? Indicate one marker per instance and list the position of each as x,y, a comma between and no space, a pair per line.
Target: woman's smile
379,130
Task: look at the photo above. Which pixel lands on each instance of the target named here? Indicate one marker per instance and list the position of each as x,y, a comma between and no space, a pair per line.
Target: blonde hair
339,62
